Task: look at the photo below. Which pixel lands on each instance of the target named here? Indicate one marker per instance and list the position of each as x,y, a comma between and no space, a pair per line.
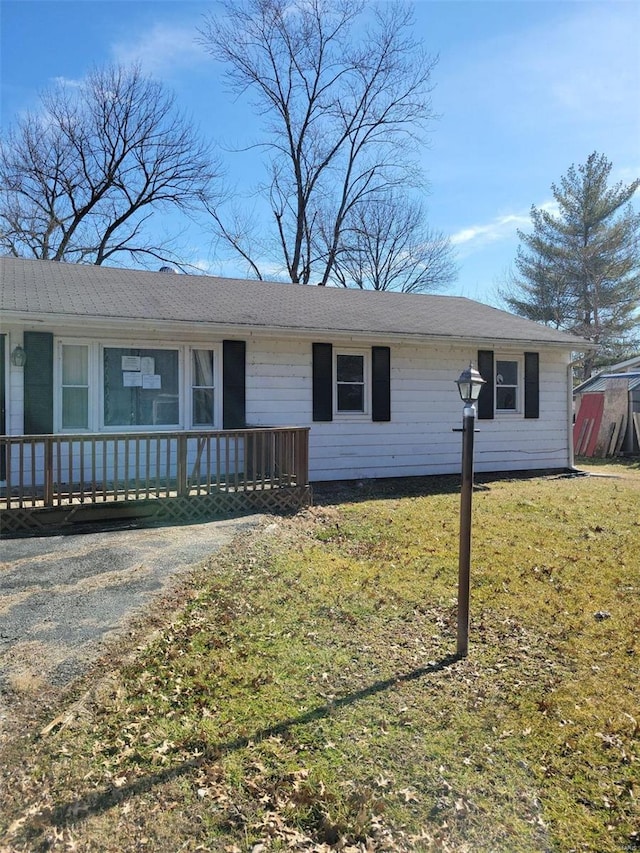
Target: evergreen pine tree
579,269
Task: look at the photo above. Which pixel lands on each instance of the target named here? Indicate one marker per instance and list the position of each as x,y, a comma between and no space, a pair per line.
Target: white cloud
500,228
163,48
68,82
592,63
580,65
627,174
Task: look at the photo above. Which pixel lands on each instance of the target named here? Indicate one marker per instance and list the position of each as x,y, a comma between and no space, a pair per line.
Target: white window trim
165,345
8,344
519,409
217,385
366,371
57,386
96,350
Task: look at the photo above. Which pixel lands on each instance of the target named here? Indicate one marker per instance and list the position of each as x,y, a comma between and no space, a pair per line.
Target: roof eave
239,329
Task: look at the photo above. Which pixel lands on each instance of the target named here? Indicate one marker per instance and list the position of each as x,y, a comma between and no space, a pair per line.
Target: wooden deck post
48,470
181,461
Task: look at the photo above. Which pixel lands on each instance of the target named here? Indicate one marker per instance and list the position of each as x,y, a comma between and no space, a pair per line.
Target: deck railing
42,471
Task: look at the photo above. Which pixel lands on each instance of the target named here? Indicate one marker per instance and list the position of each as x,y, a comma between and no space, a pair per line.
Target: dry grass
304,696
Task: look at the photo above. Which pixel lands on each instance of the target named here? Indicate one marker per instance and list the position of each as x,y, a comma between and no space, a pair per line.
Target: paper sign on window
151,380
131,379
147,364
130,362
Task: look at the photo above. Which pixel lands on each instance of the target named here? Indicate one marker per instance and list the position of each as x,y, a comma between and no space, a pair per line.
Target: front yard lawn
302,693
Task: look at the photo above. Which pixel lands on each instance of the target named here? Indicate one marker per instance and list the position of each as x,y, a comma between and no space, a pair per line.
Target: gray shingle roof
75,291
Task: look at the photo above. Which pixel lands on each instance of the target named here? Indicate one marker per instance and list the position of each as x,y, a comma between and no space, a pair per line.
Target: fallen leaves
305,699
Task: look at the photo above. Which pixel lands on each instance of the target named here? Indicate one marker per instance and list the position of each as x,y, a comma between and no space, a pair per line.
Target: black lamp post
469,384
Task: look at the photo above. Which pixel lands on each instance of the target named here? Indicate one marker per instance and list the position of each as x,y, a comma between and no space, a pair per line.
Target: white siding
425,410
14,388
278,382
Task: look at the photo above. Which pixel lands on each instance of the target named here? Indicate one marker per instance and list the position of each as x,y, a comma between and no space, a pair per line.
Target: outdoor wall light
18,357
469,384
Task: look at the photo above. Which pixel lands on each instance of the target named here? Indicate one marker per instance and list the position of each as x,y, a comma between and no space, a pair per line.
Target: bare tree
344,91
80,180
388,245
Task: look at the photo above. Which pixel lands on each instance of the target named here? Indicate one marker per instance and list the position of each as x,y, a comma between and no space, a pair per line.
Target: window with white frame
141,387
507,387
350,383
75,386
202,388
165,387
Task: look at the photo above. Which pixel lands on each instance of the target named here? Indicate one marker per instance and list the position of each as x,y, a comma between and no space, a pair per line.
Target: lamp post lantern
469,385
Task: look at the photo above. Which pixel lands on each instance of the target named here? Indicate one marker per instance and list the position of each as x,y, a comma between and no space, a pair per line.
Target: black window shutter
531,385
38,383
234,407
381,387
486,398
322,372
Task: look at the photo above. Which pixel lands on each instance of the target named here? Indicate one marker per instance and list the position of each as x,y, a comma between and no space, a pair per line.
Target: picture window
141,387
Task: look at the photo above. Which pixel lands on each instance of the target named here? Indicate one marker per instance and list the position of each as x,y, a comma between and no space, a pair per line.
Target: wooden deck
59,480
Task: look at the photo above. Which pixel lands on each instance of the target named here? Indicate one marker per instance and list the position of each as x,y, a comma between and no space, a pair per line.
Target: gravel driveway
62,597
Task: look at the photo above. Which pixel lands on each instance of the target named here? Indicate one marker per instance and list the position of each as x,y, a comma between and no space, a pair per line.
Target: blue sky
523,88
